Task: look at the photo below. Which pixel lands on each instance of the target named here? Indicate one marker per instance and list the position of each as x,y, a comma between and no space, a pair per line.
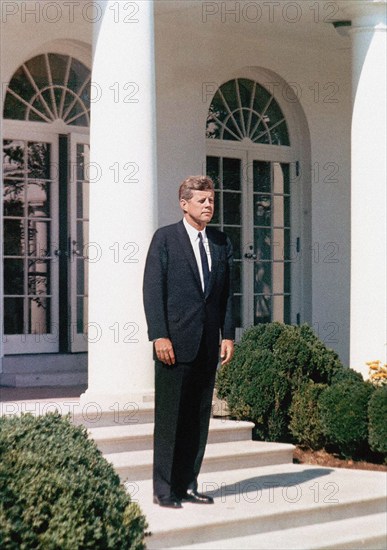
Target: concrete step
33,379
93,416
137,437
287,506
366,533
219,457
44,362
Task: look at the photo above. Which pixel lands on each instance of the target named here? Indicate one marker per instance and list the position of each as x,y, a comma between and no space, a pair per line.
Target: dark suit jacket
175,304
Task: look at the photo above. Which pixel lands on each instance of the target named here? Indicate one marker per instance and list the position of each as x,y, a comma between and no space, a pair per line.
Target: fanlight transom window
241,109
49,87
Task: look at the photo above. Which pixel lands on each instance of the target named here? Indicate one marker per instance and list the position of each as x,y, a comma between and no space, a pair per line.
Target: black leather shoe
167,502
197,498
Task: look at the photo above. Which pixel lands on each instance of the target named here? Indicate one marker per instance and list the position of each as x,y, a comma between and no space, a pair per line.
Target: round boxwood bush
270,363
344,415
58,492
305,422
346,374
377,412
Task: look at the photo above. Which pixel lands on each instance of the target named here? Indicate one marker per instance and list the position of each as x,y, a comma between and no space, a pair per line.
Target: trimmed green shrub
377,412
344,415
260,402
270,363
58,492
305,422
346,374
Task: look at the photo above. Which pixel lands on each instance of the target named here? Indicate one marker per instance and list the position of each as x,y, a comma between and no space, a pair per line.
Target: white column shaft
368,191
122,204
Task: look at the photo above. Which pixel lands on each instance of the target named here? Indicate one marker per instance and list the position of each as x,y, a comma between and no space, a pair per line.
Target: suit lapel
188,252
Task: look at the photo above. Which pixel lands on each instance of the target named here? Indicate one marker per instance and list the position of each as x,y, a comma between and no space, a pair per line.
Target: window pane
82,236
82,266
58,66
232,208
39,315
262,309
14,237
234,234
82,199
262,98
262,239
13,276
237,276
286,173
78,74
13,198
287,277
278,178
82,320
231,174
38,238
278,277
13,108
13,316
38,199
278,244
261,175
281,309
213,170
279,214
279,134
37,68
39,160
13,158
262,278
262,211
38,277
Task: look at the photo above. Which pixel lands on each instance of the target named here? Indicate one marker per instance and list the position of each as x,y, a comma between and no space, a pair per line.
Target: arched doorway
255,167
45,205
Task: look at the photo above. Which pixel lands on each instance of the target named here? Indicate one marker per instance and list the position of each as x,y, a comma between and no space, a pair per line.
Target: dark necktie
205,267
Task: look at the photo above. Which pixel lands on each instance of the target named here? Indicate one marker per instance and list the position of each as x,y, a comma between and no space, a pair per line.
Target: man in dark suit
188,307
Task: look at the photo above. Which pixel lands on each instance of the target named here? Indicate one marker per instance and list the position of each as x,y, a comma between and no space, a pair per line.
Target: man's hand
226,351
164,351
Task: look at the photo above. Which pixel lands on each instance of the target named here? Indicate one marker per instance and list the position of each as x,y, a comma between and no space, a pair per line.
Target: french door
78,241
45,217
257,208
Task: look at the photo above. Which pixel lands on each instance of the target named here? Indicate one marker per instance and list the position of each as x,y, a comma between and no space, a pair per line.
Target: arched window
242,108
45,205
50,87
250,158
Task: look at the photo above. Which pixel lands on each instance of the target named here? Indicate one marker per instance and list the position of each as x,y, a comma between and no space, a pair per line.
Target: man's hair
195,183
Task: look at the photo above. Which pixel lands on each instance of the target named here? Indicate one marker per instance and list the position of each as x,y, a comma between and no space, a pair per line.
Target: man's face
199,209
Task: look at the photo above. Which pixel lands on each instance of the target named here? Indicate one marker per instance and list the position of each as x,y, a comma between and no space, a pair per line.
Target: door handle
250,256
76,252
60,253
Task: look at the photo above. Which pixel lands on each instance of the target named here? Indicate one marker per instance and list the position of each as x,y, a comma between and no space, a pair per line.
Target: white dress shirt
193,235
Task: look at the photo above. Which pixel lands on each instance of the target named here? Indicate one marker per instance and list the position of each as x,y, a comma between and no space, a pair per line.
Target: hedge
344,415
270,363
58,492
377,428
305,422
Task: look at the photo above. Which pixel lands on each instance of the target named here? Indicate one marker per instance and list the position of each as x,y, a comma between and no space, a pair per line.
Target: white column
368,185
122,204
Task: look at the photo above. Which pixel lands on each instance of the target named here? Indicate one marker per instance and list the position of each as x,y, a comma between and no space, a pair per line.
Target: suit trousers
183,403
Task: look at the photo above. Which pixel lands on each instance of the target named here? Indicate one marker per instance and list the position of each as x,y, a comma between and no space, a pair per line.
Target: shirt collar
192,232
